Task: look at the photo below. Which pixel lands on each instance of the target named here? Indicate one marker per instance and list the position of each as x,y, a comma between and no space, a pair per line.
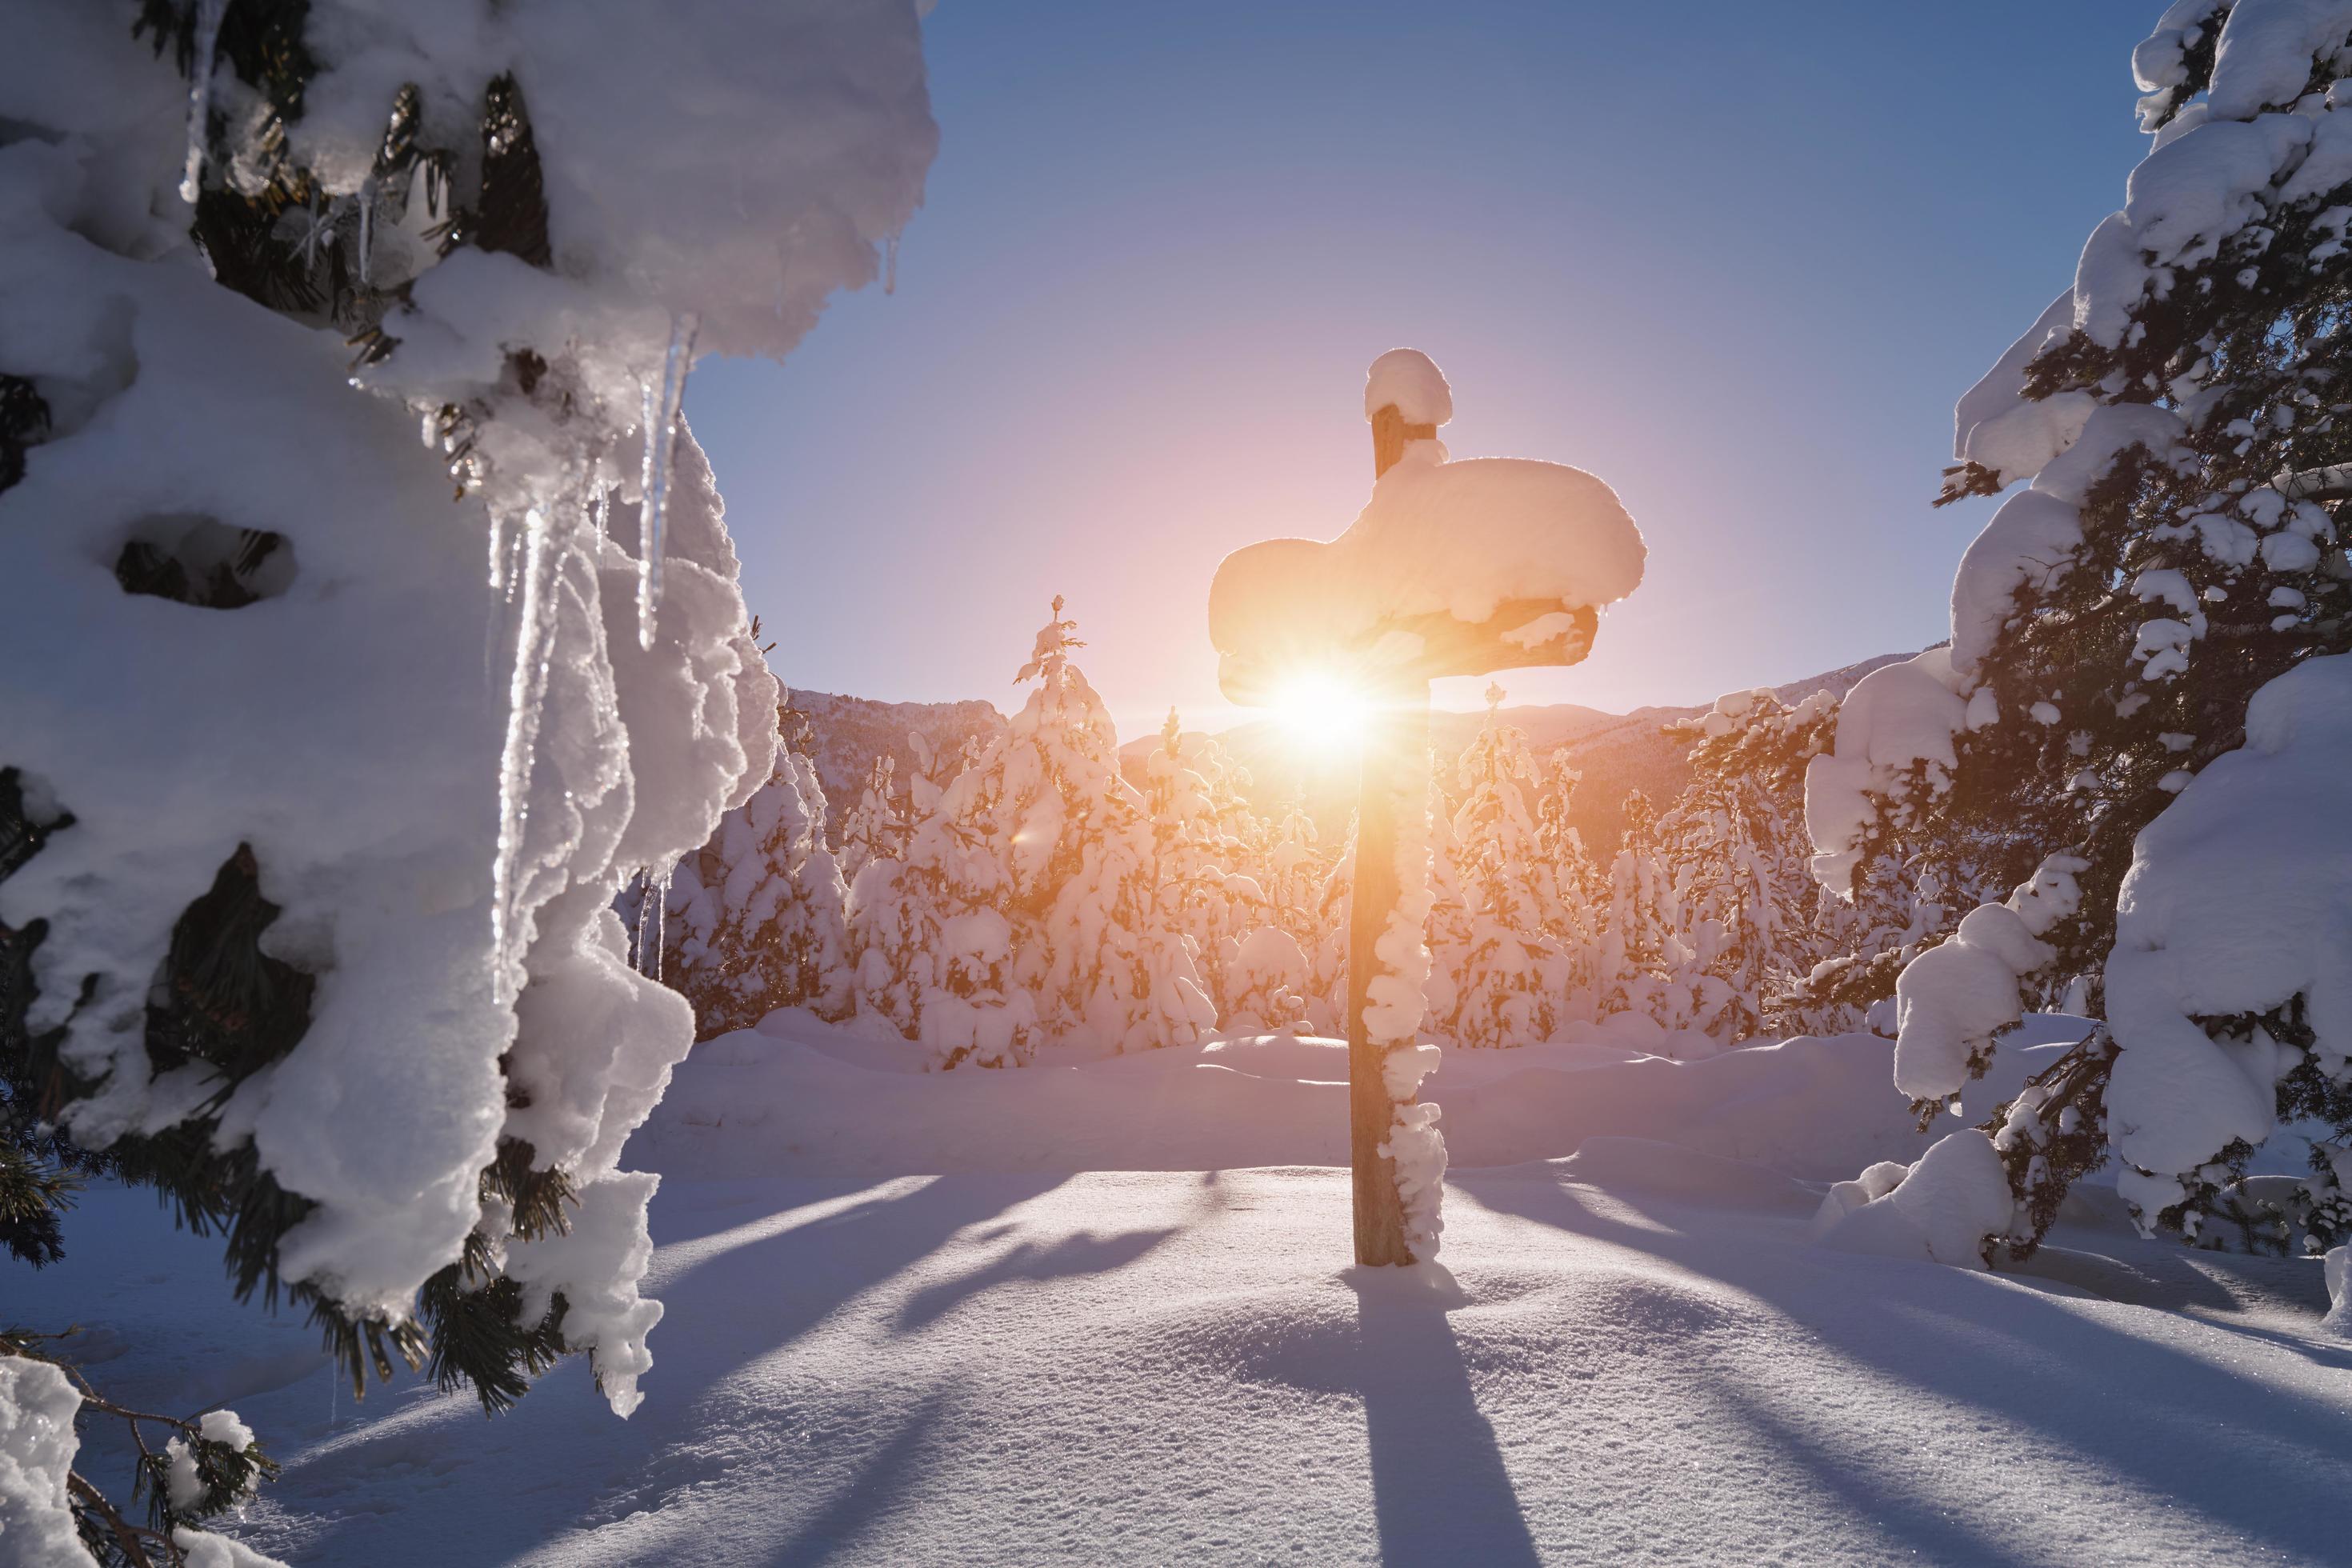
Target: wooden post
1394,771
1517,634
1395,777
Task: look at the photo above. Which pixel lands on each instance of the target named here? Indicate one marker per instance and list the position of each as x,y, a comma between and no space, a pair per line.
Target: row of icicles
541,546
528,583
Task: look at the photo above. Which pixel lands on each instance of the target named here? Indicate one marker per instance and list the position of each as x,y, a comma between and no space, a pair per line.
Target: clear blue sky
1739,259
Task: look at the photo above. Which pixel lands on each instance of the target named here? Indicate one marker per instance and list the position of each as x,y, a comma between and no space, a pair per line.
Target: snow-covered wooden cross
1453,568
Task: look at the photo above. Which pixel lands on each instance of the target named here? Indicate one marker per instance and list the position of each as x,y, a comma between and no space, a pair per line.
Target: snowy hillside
901,1331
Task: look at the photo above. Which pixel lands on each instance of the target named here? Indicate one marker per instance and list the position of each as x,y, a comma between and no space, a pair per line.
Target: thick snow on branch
1438,538
1953,1000
36,1453
1895,716
2235,904
441,781
1997,425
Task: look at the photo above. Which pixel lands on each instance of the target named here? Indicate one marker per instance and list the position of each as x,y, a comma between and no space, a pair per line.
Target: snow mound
1942,1208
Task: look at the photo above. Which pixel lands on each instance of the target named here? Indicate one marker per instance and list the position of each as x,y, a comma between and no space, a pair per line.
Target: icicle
367,226
645,918
498,551
661,920
547,540
661,439
890,266
526,694
200,94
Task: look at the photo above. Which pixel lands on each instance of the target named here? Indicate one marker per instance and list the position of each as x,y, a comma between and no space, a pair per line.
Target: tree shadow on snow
1085,1253
559,1461
1440,1491
883,1482
2128,1403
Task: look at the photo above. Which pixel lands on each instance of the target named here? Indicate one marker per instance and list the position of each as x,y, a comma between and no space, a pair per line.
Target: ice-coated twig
200,94
661,440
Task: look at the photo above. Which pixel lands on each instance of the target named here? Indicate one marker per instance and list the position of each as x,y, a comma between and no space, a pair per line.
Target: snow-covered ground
901,1329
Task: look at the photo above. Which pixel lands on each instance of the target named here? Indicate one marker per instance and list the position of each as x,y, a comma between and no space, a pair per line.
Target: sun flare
1317,707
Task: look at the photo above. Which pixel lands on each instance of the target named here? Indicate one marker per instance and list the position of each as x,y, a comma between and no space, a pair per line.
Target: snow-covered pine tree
875,827
1513,978
1451,930
1026,907
1306,894
1106,963
1737,854
303,923
1638,947
2137,685
1210,856
1579,898
929,943
757,917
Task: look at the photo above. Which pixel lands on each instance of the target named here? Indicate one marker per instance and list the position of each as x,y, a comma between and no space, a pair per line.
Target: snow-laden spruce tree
2138,721
930,948
1748,909
1027,908
1307,888
1106,964
330,746
756,918
1639,952
1206,847
1513,978
1582,898
875,827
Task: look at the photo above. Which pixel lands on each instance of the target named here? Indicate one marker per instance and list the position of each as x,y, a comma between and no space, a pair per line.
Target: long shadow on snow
1085,1253
1440,1491
525,1472
882,1483
2026,1360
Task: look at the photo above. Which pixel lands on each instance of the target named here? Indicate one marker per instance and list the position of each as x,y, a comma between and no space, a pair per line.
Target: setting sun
1317,707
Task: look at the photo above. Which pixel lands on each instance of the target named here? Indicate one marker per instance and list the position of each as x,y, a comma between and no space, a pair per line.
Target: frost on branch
317,929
